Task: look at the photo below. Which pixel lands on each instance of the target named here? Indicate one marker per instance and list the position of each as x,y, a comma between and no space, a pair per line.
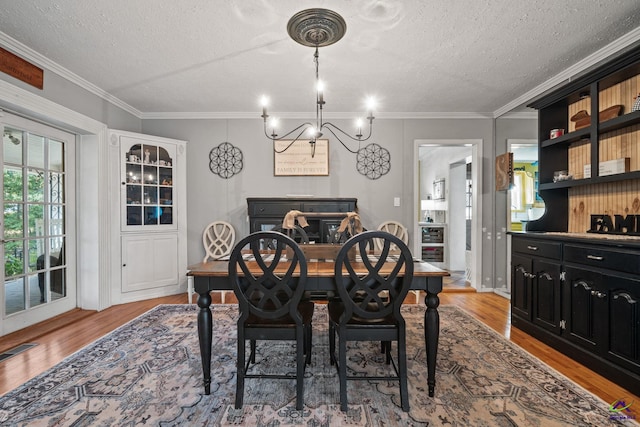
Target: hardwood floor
66,334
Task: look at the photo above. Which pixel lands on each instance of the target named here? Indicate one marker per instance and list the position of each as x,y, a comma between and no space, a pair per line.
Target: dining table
214,276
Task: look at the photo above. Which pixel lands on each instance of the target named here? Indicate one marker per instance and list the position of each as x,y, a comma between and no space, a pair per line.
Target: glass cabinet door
148,184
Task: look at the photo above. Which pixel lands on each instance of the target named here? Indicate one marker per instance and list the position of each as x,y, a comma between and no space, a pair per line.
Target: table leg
205,327
431,336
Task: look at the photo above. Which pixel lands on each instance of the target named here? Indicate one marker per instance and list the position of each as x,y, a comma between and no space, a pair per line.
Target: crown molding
575,71
42,61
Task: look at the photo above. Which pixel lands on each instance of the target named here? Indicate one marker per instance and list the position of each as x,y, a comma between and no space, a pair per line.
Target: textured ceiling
219,56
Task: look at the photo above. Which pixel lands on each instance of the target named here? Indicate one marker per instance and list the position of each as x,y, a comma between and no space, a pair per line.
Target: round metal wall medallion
316,27
373,161
225,160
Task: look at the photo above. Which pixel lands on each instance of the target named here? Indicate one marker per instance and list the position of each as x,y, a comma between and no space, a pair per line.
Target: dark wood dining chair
269,285
371,289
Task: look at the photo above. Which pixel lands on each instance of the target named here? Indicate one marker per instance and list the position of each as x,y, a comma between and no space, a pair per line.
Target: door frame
35,314
476,221
92,208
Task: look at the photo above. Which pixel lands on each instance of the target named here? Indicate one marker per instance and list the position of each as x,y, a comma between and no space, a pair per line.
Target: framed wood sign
504,172
297,159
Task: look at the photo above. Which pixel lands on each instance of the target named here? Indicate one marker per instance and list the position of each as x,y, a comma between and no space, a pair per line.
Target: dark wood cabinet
268,213
535,284
581,296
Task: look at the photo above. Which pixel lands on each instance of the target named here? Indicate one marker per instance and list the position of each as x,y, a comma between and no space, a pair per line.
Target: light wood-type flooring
66,334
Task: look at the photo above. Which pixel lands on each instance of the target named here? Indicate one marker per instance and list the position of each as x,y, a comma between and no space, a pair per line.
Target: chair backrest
218,239
268,283
374,284
395,228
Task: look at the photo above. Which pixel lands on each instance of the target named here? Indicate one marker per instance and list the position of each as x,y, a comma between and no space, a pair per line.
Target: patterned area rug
149,372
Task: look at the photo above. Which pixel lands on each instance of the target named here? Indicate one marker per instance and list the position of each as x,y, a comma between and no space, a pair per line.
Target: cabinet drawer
596,256
433,254
326,207
432,235
538,248
277,209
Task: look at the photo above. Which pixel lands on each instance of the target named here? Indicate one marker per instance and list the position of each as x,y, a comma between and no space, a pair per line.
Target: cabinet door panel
546,309
581,311
624,322
521,286
149,261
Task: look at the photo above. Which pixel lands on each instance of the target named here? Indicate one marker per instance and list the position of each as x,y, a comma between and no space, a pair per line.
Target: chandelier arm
306,125
297,138
341,142
330,125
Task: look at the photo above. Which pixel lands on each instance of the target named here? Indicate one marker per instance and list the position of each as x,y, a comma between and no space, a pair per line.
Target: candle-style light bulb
264,101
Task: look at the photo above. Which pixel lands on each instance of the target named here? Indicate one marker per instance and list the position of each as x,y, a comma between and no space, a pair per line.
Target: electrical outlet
396,201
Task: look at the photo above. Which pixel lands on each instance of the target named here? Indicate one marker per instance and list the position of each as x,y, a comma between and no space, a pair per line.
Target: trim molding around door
94,221
476,222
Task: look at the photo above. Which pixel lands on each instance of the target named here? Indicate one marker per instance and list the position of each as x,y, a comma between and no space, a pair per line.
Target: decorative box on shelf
610,167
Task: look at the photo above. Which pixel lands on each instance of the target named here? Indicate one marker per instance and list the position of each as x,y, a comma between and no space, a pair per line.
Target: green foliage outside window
13,205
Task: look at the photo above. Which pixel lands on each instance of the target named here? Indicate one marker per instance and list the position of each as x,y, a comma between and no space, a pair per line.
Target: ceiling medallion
316,27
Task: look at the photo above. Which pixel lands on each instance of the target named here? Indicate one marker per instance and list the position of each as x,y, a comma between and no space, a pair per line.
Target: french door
38,224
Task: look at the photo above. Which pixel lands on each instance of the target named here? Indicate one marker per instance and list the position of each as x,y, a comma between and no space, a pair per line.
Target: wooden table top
315,268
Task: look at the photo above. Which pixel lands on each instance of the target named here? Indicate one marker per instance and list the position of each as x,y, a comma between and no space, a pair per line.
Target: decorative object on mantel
504,172
316,28
636,104
602,224
583,119
225,160
373,161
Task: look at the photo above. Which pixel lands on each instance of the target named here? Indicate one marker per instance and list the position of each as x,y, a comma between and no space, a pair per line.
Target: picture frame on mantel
297,160
438,189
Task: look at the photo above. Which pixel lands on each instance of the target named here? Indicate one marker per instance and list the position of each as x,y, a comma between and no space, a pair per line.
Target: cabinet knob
124,265
532,248
124,183
595,257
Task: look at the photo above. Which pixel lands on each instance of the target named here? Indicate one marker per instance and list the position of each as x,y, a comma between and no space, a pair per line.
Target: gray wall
211,197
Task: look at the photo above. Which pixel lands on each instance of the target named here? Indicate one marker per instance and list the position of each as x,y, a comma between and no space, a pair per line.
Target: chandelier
316,28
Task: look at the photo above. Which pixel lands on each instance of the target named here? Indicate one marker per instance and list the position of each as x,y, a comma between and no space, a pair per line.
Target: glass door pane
34,216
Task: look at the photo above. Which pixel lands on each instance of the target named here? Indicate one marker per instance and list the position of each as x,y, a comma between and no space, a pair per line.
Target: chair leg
332,343
300,364
240,371
402,371
253,351
308,340
342,373
388,351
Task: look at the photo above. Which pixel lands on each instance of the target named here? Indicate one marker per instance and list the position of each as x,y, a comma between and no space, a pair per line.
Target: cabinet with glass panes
148,180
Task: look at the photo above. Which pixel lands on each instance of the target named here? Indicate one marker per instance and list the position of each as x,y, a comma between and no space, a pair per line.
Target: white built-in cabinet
150,187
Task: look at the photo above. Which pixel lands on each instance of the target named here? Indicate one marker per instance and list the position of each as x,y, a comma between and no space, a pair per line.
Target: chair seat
306,311
336,308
